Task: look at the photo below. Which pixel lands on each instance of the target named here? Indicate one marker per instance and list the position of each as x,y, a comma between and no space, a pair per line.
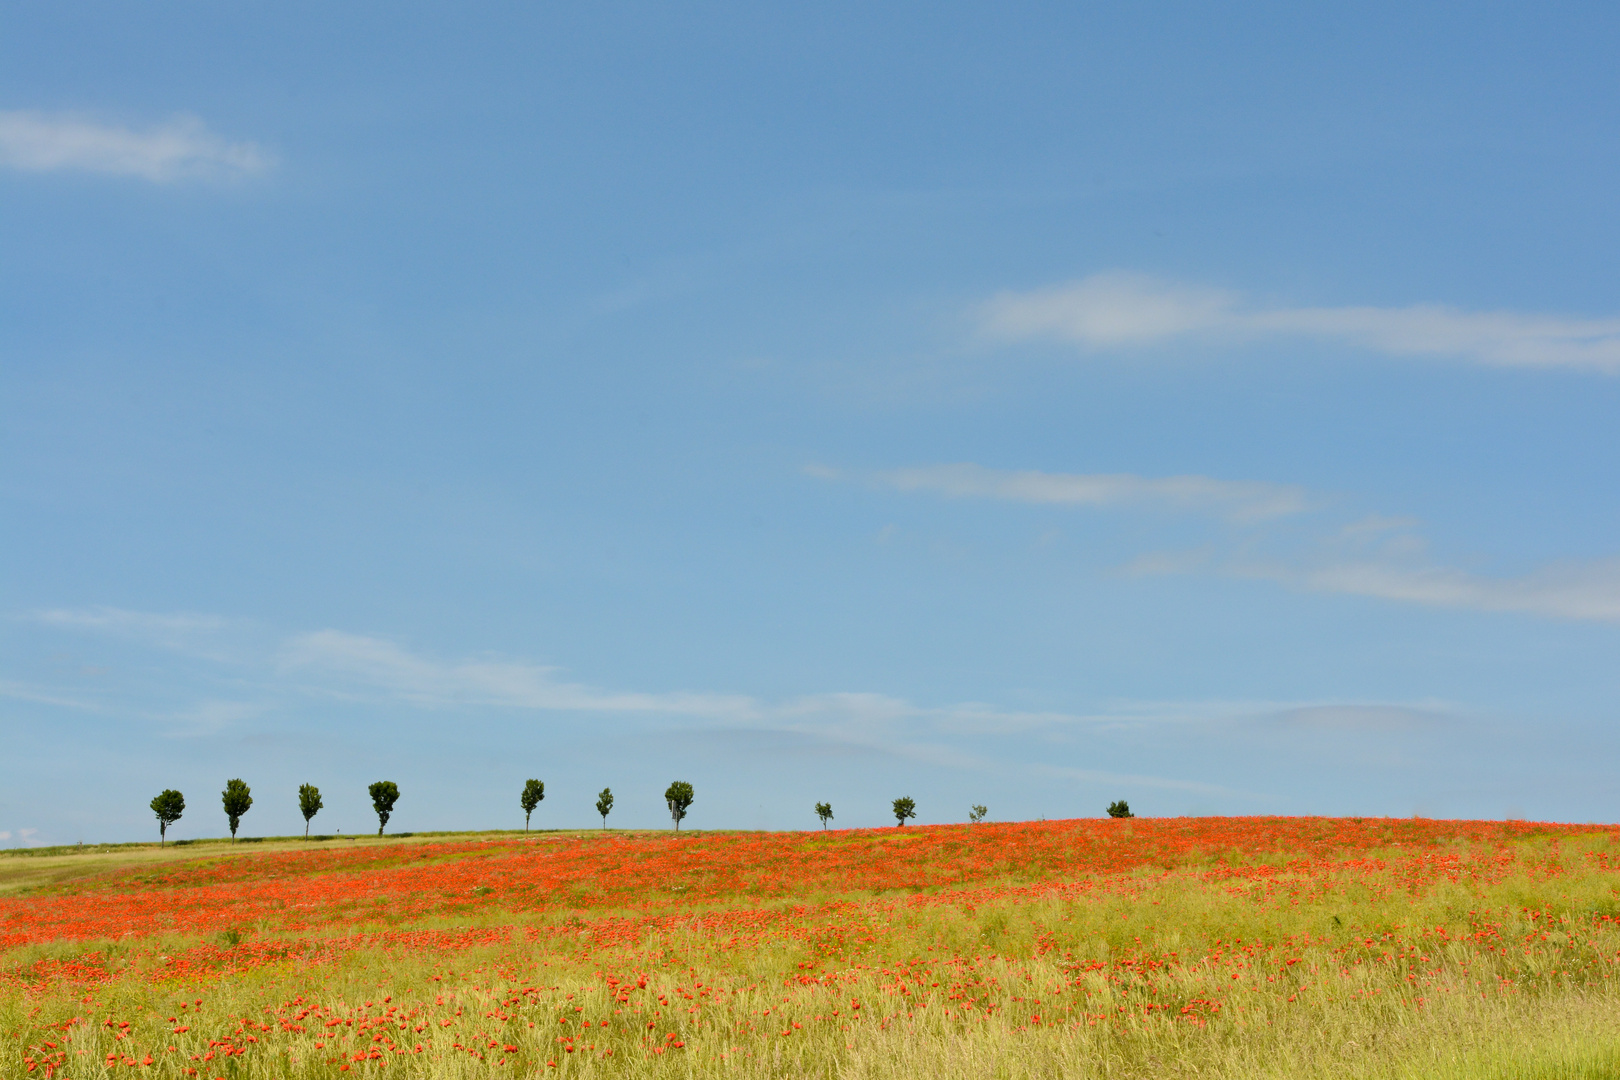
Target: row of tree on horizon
237,799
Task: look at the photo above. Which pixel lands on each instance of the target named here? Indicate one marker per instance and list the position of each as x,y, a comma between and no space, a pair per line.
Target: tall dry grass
1344,973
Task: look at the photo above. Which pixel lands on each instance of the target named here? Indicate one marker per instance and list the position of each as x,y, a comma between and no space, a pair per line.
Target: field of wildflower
1195,947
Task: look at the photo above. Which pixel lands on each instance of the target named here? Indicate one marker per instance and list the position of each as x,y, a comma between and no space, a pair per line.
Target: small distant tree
904,808
679,797
824,812
604,804
384,794
309,804
168,807
237,798
976,813
1120,808
533,792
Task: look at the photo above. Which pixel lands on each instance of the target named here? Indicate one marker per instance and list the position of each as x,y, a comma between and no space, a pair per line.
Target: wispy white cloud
120,620
382,665
181,148
186,632
1098,776
1242,500
1378,556
212,716
1116,309
360,665
932,735
1388,558
876,723
1586,590
1365,718
1168,563
23,692
1228,714
963,736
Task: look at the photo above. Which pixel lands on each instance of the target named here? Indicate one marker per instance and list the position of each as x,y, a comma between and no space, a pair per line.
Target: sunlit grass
1451,952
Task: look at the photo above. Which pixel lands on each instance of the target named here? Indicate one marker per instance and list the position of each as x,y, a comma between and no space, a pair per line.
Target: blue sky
1207,406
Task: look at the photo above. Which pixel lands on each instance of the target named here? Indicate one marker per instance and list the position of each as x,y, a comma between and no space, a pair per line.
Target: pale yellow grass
1547,1006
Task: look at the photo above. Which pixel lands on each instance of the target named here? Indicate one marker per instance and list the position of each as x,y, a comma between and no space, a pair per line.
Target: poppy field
1208,947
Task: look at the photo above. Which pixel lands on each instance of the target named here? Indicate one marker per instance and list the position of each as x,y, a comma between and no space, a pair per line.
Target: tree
384,794
904,808
309,804
604,804
237,797
1120,808
976,813
533,792
679,797
168,807
824,812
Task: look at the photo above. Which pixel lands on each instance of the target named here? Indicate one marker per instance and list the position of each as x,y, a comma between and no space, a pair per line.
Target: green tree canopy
237,798
976,813
168,807
604,803
824,812
679,797
1120,808
533,792
904,808
309,804
384,794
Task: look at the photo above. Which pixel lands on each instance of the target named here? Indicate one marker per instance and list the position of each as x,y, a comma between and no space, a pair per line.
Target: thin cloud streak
1228,715
879,721
22,692
190,633
211,717
1584,591
136,623
383,665
1238,500
179,149
1365,719
1118,309
1097,776
359,666
874,722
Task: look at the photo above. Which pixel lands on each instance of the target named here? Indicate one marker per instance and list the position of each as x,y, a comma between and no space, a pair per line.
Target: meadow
1195,947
